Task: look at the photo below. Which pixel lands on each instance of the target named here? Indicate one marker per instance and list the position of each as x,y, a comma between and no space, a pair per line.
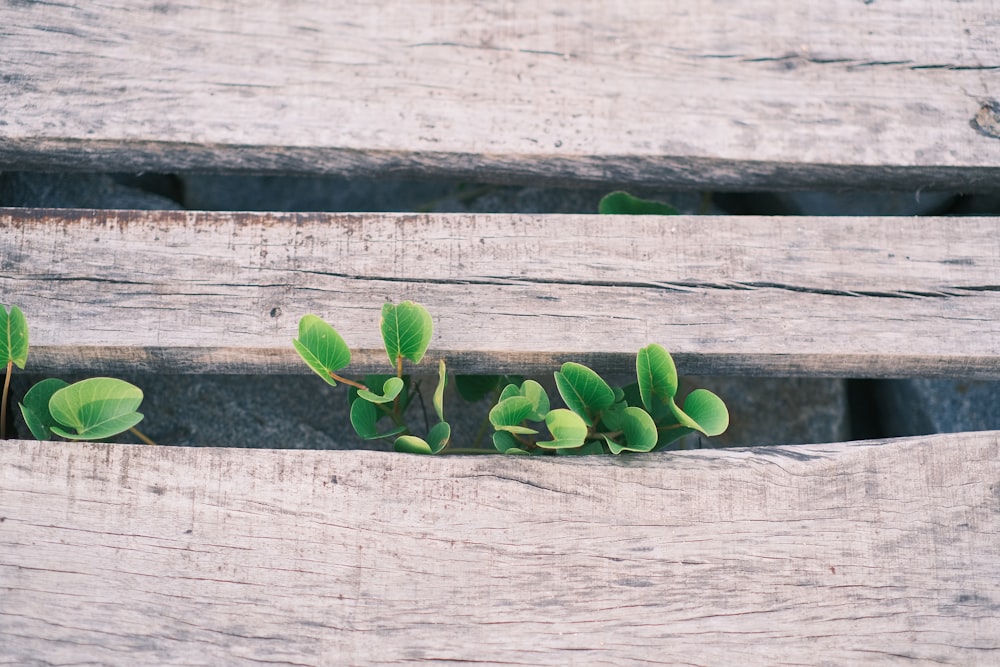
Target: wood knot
987,119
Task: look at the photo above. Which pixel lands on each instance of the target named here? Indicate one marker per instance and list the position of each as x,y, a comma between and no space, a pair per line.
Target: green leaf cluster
92,409
378,404
599,418
622,203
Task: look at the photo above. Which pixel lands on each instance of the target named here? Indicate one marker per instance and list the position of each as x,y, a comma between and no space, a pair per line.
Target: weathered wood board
687,94
849,554
223,292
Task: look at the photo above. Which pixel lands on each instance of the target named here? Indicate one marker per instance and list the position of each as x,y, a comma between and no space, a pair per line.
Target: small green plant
597,418
641,417
91,409
622,203
378,405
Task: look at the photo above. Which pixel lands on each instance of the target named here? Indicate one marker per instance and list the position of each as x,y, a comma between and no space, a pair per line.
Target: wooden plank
864,553
713,93
223,292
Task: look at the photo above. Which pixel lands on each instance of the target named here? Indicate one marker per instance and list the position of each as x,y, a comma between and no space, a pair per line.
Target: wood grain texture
720,93
223,292
849,554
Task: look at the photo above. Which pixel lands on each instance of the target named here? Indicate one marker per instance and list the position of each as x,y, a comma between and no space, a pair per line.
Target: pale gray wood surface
893,93
849,554
223,292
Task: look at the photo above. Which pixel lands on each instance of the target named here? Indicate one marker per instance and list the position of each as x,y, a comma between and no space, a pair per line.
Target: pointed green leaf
670,435
96,408
35,408
406,331
13,337
517,450
390,390
321,347
438,399
622,203
364,419
567,428
411,444
639,432
584,391
657,375
508,414
474,388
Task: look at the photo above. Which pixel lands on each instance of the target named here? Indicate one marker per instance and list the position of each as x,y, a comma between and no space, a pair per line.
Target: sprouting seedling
406,331
92,409
622,203
598,418
13,352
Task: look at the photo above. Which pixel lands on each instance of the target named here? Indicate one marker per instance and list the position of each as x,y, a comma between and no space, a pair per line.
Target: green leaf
622,203
639,432
474,388
509,391
364,419
35,408
321,347
584,391
406,331
535,393
411,444
439,436
438,399
390,390
657,375
708,411
567,428
508,414
13,337
504,441
96,408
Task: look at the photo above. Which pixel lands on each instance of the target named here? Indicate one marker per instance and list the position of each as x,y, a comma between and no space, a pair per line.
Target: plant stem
3,401
352,383
139,434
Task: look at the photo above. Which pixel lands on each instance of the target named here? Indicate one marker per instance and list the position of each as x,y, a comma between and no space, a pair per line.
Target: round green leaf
584,391
439,436
639,430
708,410
508,414
364,419
567,428
95,408
35,408
411,444
535,393
390,390
13,337
504,441
321,347
622,203
657,375
406,331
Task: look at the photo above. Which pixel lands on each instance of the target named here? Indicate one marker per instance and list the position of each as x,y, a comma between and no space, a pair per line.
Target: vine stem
139,434
3,401
352,383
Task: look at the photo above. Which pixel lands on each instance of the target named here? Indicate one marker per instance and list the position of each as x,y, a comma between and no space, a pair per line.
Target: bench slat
839,93
862,553
223,292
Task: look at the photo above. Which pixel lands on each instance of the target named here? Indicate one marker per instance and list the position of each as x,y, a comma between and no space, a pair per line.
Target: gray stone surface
76,191
924,406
